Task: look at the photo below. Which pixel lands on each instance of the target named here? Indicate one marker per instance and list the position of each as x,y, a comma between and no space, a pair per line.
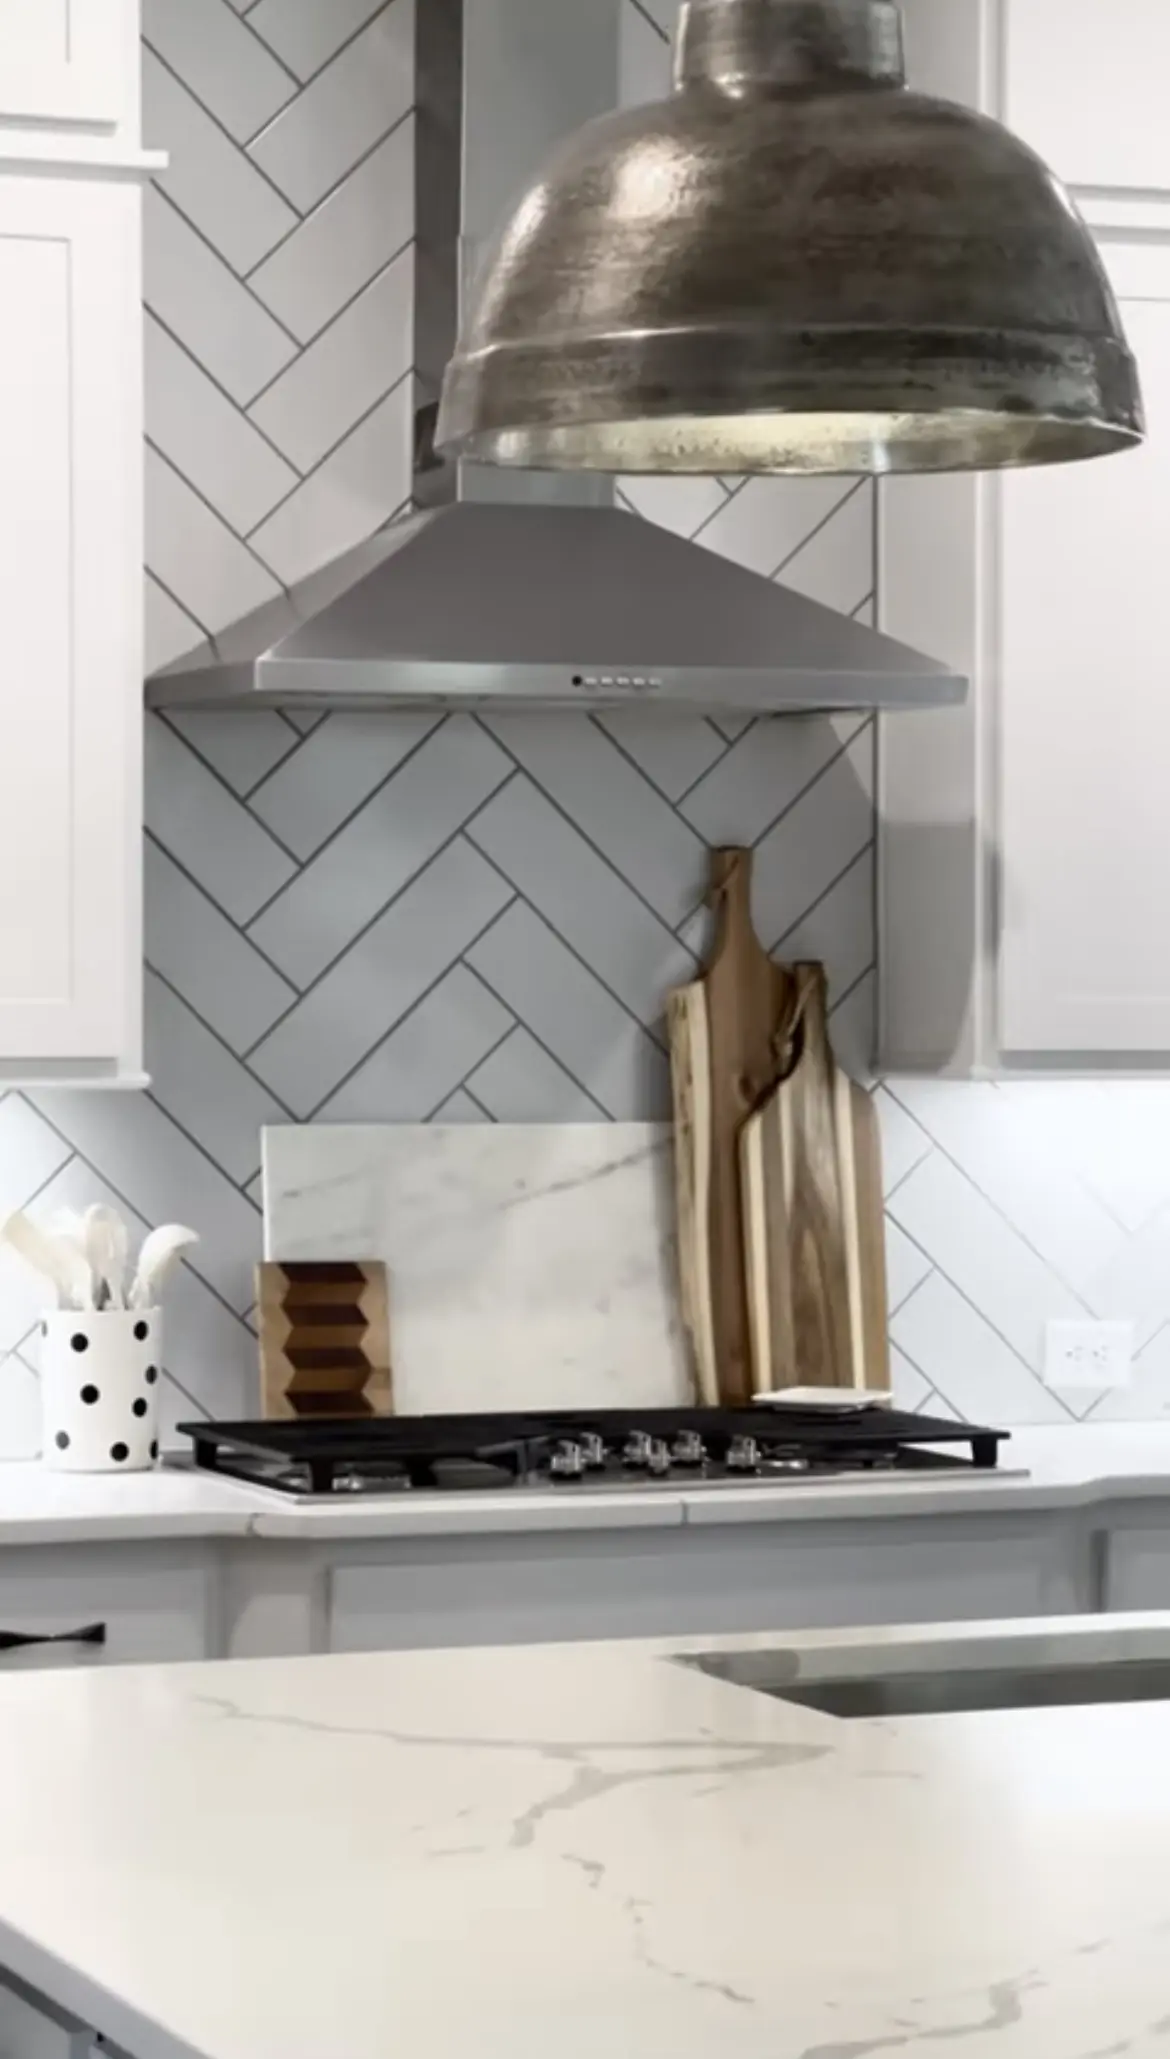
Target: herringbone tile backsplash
407,918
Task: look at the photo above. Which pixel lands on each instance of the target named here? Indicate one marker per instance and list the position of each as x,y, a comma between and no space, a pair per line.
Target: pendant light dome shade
792,265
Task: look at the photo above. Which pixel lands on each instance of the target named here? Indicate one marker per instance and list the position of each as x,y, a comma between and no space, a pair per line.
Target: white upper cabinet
1025,841
70,619
71,581
1086,85
1085,731
63,60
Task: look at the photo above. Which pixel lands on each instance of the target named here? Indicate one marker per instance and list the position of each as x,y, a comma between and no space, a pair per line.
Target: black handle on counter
16,1640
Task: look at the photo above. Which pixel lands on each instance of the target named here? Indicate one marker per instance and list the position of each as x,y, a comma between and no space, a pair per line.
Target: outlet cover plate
1098,1356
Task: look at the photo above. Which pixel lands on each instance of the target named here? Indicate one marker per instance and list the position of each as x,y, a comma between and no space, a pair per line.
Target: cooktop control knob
567,1461
743,1455
636,1451
658,1457
689,1449
593,1447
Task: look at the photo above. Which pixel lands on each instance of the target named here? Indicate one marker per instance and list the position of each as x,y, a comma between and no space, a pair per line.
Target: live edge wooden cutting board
727,1051
810,1159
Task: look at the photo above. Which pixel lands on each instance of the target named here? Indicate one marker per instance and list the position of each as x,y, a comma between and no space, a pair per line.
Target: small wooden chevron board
324,1339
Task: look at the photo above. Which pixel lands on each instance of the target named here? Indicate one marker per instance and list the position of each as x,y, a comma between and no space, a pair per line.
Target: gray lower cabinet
150,1600
254,1597
1137,1561
707,1579
32,2029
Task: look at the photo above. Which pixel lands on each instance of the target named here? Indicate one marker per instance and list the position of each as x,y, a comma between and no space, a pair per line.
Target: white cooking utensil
57,1257
107,1241
155,1260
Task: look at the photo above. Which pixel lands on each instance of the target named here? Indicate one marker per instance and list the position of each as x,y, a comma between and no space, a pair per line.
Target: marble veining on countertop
1051,1468
579,1849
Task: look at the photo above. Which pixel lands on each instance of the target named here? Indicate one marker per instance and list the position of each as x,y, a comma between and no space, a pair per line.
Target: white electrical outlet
1096,1355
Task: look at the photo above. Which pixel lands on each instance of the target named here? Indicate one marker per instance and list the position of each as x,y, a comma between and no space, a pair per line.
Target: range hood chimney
524,589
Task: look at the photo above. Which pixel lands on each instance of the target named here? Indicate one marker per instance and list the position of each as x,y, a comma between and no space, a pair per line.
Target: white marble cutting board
530,1266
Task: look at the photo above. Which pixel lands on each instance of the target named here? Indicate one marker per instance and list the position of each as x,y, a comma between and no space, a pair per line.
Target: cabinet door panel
1085,736
70,632
1086,87
60,60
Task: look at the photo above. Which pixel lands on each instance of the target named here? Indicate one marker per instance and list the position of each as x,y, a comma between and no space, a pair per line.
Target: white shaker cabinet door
1084,744
70,624
1086,85
62,60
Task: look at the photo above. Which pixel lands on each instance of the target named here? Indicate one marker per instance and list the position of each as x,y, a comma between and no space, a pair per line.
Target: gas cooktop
578,1451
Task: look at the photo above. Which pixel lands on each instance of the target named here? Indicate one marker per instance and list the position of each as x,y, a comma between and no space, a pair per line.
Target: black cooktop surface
578,1450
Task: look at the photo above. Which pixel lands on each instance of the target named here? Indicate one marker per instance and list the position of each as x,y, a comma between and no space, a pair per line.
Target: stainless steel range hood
528,600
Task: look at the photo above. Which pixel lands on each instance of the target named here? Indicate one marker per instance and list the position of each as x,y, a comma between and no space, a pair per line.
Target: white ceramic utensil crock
100,1377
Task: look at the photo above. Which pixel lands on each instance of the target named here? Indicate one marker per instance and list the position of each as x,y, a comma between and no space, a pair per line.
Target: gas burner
589,1450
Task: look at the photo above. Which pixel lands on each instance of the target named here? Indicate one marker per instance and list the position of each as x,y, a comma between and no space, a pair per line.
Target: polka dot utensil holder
100,1384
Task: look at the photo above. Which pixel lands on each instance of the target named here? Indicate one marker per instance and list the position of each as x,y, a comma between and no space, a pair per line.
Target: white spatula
155,1260
57,1258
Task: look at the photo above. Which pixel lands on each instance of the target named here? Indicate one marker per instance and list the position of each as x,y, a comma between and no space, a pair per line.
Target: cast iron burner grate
577,1450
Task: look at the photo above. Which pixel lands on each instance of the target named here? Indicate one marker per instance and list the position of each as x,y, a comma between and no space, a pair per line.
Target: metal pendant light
792,265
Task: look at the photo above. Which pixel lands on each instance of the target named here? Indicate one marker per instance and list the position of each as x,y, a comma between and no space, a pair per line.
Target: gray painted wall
373,918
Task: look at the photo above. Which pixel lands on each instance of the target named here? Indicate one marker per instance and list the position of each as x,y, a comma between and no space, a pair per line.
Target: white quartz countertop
580,1850
1061,1468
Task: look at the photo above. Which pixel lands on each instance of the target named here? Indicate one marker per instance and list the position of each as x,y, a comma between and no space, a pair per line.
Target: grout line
462,1087
399,891
213,118
899,1184
221,1040
942,1274
850,990
695,784
737,489
276,59
311,859
897,1307
202,1149
795,802
485,1112
356,938
314,211
240,409
842,750
319,335
585,837
304,477
400,1022
35,1196
177,1384
995,1208
240,280
821,898
293,751
191,880
596,717
240,541
933,1385
824,522
545,1047
303,85
213,773
650,22
1150,1342
176,602
647,1029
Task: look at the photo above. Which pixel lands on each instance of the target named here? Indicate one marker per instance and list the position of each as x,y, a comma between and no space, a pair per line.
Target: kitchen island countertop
579,1849
1080,1466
